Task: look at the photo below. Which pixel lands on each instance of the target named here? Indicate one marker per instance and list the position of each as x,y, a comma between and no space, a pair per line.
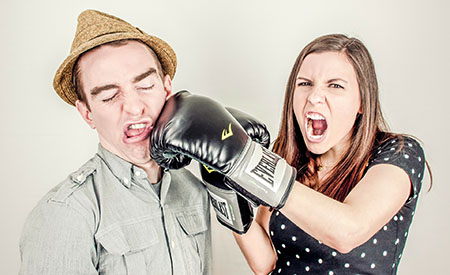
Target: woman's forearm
257,249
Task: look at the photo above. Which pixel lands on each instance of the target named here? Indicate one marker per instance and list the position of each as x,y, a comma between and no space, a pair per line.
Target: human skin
377,197
125,93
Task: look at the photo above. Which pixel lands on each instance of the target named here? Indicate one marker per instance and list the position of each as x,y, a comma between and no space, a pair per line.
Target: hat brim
63,84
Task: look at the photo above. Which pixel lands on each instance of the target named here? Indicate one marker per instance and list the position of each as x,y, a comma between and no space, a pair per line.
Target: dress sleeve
406,153
57,239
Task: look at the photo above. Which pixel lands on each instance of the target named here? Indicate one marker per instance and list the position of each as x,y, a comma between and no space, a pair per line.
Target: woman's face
326,101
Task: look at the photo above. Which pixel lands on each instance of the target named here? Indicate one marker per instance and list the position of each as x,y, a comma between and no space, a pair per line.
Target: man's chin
138,152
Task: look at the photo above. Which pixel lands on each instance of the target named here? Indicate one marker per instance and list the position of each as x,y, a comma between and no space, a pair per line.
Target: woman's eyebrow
336,79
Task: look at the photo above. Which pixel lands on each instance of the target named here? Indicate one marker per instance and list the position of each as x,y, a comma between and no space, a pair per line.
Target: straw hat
96,28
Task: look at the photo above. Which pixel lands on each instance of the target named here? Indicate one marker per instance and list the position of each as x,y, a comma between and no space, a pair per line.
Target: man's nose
133,104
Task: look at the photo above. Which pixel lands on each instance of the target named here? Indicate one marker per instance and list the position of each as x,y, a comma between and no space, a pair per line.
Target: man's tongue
135,132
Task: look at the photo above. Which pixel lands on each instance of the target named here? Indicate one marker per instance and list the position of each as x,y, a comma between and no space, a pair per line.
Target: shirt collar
122,169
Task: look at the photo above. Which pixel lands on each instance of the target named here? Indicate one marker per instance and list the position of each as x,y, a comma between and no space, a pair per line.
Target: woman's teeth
315,116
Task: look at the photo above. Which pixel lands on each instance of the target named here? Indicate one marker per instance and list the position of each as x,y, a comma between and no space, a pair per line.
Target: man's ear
167,85
85,113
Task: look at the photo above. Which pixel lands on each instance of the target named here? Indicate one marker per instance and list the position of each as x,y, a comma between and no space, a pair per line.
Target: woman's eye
304,83
334,85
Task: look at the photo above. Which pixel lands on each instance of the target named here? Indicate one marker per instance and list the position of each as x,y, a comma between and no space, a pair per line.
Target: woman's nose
317,95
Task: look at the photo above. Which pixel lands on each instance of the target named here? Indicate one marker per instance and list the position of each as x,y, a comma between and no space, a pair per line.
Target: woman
357,183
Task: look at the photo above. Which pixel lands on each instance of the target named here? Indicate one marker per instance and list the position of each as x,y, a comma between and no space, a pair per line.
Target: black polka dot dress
299,253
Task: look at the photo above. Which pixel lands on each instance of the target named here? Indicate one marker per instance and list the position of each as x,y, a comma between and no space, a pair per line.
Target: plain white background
239,53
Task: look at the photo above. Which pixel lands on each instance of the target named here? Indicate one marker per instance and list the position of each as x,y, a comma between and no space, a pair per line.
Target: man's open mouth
136,132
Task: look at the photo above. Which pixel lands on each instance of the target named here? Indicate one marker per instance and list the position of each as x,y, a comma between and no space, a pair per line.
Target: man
120,213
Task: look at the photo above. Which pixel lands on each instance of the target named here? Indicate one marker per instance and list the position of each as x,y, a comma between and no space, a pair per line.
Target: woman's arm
345,225
256,244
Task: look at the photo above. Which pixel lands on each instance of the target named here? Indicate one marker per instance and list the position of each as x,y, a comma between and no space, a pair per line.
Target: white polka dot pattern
299,253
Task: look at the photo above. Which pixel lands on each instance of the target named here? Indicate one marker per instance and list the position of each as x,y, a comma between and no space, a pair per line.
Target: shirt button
172,244
125,180
138,173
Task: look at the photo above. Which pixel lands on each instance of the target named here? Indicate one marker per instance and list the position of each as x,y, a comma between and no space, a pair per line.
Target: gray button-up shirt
106,218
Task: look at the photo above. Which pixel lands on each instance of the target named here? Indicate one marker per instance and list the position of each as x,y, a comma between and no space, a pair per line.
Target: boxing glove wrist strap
262,174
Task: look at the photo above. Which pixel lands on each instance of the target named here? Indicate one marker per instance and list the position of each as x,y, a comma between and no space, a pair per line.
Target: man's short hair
81,95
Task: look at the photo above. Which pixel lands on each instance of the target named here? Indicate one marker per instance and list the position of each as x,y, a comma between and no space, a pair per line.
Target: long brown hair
369,128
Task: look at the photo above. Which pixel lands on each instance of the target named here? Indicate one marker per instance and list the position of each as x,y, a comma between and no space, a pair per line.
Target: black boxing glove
232,210
255,129
202,129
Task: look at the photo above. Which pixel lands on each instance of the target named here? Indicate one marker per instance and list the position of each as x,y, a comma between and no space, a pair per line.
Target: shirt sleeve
57,239
406,153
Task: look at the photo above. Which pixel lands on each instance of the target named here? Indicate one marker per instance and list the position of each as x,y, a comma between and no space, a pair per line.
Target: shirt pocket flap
128,237
192,220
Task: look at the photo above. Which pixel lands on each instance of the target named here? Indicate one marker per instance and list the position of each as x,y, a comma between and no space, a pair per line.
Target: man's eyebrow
144,75
96,90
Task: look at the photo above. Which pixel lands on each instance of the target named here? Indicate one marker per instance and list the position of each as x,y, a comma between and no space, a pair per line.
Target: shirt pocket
125,245
194,225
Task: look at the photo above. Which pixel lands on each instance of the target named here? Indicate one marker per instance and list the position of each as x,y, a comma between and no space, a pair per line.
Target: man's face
125,93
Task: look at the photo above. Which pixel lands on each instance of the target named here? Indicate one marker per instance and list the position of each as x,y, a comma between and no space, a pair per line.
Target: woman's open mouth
316,126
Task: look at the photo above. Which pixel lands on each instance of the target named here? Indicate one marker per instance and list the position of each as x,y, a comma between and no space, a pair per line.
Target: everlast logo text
220,206
266,167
